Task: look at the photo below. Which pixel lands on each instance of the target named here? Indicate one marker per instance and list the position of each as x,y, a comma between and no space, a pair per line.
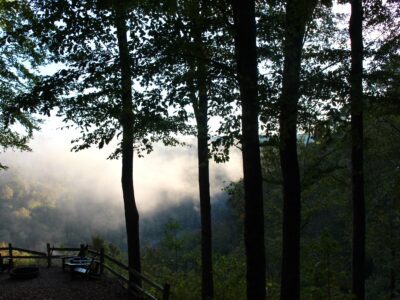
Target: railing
106,262
11,257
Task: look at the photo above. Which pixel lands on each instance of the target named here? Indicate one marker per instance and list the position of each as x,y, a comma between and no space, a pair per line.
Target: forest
306,90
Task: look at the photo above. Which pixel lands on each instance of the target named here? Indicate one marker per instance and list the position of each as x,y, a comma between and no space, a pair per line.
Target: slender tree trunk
393,280
297,14
329,276
357,149
127,119
204,187
393,260
200,105
246,52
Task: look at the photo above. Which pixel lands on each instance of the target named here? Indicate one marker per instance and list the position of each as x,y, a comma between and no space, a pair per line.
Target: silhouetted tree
191,62
297,14
357,149
94,88
246,59
200,106
127,122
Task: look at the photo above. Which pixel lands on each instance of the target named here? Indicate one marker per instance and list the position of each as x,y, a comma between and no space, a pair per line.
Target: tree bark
297,14
393,261
200,106
127,120
204,188
357,149
246,57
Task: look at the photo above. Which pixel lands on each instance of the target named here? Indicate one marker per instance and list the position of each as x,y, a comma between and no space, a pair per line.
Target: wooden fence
106,262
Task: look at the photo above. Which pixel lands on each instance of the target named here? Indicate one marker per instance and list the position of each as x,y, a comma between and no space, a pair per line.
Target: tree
172,243
297,15
19,57
127,121
380,96
94,89
188,51
246,61
198,83
357,149
200,106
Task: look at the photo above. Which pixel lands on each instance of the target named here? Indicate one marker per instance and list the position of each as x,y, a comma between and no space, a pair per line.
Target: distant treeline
34,212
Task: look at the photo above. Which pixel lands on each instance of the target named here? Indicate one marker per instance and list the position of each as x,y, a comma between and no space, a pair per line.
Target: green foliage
326,213
166,57
37,210
87,90
172,244
189,52
229,280
98,243
324,270
19,56
175,259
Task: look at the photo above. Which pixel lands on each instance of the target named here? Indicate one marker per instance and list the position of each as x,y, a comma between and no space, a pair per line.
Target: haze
166,176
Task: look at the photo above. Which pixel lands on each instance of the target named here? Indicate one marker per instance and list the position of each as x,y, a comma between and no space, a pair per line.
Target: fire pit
24,273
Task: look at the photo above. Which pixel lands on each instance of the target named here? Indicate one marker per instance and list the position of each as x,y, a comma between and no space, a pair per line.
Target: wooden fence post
82,250
166,291
101,260
10,253
48,255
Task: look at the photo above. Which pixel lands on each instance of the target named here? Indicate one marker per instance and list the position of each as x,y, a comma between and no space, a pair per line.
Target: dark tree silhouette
357,149
94,90
297,14
245,44
188,55
200,106
127,121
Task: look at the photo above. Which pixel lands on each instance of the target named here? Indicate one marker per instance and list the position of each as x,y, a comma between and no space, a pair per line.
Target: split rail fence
106,262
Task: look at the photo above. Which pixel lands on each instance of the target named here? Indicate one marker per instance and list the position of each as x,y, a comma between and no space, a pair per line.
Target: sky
167,175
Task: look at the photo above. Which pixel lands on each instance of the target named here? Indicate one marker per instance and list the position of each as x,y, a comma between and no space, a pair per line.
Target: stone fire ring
24,273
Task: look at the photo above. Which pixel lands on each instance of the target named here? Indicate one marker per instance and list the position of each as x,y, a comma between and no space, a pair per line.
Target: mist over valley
62,197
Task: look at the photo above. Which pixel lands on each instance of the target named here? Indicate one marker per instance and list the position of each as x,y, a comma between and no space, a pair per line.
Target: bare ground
54,284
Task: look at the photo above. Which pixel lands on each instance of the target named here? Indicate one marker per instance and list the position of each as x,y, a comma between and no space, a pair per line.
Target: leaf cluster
87,90
19,57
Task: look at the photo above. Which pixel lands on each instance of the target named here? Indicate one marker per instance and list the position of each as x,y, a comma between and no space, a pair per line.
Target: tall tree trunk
204,188
393,278
246,52
200,106
127,120
393,261
297,14
357,149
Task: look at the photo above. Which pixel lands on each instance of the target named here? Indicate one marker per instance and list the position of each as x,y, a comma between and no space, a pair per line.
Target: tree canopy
19,57
309,84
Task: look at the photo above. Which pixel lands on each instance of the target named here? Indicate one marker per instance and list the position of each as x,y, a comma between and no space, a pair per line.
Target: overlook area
90,273
53,283
213,150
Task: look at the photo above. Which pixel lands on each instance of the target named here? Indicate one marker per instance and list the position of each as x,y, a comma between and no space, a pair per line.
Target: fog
85,186
166,175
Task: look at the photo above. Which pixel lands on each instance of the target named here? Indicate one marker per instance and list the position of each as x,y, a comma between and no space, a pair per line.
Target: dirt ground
53,284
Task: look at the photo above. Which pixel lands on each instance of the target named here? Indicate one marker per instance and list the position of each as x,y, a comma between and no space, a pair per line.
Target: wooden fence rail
105,263
165,290
29,251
